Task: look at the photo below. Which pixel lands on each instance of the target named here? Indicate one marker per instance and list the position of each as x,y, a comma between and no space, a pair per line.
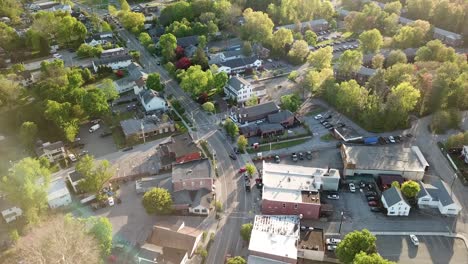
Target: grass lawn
327,137
280,145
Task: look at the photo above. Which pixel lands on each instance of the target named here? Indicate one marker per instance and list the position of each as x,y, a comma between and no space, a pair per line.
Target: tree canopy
258,26
236,260
231,128
350,62
153,82
370,41
95,174
246,231
157,201
291,102
298,52
374,258
354,243
321,58
410,189
242,142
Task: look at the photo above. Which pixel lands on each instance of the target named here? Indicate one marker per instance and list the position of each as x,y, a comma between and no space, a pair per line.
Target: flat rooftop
197,169
347,133
275,235
391,157
57,188
311,239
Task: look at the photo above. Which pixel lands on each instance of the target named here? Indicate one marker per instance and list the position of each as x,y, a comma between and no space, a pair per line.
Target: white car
331,247
414,239
317,117
72,157
352,188
110,200
57,56
333,241
333,196
392,139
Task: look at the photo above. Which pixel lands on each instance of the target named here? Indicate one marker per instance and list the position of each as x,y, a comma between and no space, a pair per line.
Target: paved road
432,249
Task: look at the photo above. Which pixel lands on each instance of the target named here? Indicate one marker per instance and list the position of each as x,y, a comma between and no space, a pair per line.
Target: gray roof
147,95
201,197
52,146
135,71
259,109
392,196
265,127
366,71
404,20
312,23
447,34
248,129
237,82
182,145
75,176
107,60
440,193
187,41
133,126
197,169
235,63
280,116
423,191
232,53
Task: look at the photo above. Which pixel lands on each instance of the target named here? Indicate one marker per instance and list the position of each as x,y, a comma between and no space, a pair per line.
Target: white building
135,81
114,62
391,159
99,39
465,153
438,195
225,56
393,200
151,101
239,65
52,151
239,89
58,194
9,211
274,239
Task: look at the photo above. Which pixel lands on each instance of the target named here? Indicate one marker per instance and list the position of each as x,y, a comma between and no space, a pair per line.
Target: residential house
52,151
254,113
361,76
464,154
74,178
239,89
176,237
114,62
42,6
187,41
447,37
151,101
391,159
393,201
10,212
136,80
294,190
190,50
284,118
438,195
26,78
58,194
274,239
180,149
225,56
315,25
99,39
239,65
113,52
147,127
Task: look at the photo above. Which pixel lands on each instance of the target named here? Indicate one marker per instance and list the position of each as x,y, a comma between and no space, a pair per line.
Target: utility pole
143,132
341,222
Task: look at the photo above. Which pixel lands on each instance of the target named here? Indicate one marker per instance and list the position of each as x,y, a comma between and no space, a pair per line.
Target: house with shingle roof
151,101
239,65
52,151
245,115
438,195
393,200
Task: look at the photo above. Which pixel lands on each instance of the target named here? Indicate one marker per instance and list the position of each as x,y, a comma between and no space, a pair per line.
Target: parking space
335,40
94,143
431,249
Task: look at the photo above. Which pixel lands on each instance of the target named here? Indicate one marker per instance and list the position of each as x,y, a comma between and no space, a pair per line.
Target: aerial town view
233,131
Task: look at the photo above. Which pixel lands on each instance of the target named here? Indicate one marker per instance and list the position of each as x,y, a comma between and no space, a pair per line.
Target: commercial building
192,176
136,128
294,190
315,25
393,200
178,150
239,65
391,159
58,194
52,151
274,239
438,195
254,113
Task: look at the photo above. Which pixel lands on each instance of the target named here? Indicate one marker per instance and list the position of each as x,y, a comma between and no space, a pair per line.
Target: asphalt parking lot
431,249
95,144
320,159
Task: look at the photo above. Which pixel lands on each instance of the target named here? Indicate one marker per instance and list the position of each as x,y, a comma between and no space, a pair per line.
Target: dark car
301,156
340,125
105,134
372,198
328,117
370,194
309,155
376,209
328,125
127,149
233,156
372,204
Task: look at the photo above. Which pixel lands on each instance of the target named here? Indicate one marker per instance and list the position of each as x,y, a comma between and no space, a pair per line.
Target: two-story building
437,194
151,101
239,65
178,150
147,127
100,38
315,25
239,89
393,201
52,151
114,62
244,115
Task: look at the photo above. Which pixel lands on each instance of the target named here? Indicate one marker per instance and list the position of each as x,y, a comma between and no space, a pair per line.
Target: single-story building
393,201
74,178
10,212
438,195
114,62
254,113
284,118
346,134
58,194
136,128
187,41
391,159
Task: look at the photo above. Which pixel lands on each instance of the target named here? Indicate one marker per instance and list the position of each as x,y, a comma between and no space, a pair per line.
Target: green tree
28,133
196,81
310,37
350,61
209,107
253,100
242,143
200,58
231,128
354,243
435,50
145,39
393,7
14,236
280,39
95,174
218,206
293,75
153,82
257,27
321,58
458,140
370,41
313,80
108,88
410,189
157,201
378,61
132,21
374,258
236,260
168,43
10,92
246,231
202,42
26,185
412,36
95,102
250,169
247,48
442,120
396,184
86,75
291,102
85,51
394,57
400,102
101,229
298,52
124,6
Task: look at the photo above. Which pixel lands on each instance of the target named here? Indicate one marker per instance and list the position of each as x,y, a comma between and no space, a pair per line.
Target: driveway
431,249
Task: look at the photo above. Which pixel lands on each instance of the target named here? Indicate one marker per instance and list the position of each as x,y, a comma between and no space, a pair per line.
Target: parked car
242,170
110,201
328,117
94,128
352,188
372,198
340,125
317,117
309,155
95,121
414,239
333,196
72,157
369,194
376,209
232,156
105,134
333,241
83,152
328,125
301,156
391,139
387,141
372,203
127,149
277,159
294,156
57,56
246,177
331,247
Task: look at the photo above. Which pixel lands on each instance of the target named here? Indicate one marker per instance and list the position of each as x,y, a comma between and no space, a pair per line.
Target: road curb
446,234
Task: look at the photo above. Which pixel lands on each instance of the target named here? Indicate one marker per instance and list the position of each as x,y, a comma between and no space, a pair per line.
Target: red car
242,170
372,203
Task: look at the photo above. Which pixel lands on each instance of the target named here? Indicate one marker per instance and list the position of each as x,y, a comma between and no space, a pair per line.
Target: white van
94,128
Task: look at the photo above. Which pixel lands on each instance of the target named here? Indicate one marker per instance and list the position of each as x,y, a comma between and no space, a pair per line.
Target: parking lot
93,142
431,249
335,40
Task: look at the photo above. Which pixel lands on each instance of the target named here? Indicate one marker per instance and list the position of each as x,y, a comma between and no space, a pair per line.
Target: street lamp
341,222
